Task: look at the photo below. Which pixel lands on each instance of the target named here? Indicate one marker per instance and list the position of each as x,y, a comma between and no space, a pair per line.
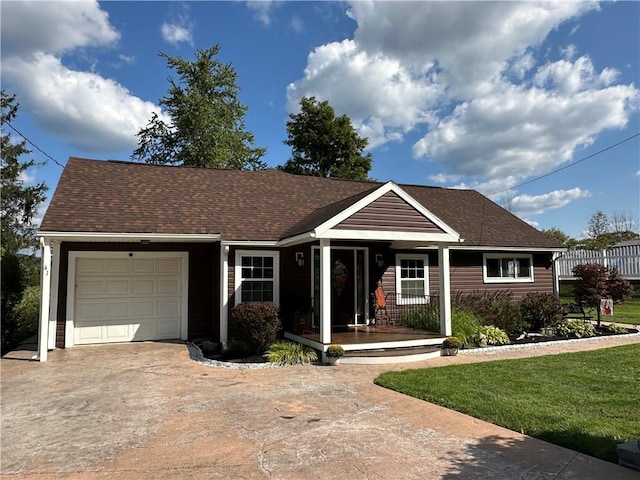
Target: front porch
377,343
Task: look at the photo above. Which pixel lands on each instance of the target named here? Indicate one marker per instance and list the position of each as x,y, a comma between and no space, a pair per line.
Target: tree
19,201
324,145
595,282
506,200
19,206
598,224
560,237
207,121
623,222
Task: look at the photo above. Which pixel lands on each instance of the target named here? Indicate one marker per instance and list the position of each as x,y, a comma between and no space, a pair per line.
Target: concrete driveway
145,410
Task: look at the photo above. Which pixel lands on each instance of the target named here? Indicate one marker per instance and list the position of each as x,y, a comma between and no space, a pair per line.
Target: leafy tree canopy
560,237
207,120
19,201
595,282
324,145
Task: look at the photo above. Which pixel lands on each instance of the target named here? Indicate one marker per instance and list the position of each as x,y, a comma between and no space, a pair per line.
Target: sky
483,95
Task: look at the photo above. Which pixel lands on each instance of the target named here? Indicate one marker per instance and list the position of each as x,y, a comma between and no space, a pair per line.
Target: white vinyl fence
625,259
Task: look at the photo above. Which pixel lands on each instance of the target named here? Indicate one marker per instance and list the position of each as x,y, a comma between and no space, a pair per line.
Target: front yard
586,401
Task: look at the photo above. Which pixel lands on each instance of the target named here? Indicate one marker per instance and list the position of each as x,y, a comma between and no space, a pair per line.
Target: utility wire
34,145
567,166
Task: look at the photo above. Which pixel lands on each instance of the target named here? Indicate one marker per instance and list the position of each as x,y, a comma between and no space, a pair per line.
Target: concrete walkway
145,410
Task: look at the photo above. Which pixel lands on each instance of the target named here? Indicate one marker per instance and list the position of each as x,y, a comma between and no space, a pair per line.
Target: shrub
289,353
464,325
335,351
613,328
575,328
480,302
506,316
25,314
541,310
452,342
491,335
421,317
257,324
236,348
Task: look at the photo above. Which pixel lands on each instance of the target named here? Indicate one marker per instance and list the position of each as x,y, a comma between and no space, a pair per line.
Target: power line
567,166
34,145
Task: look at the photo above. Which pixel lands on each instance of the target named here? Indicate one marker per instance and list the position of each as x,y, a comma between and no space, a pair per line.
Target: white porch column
325,291
224,294
55,280
445,290
45,295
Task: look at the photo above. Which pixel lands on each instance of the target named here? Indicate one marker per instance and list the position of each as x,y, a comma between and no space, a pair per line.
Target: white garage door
122,298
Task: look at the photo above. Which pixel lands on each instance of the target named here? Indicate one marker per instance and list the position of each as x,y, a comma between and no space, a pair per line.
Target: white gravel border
196,355
508,348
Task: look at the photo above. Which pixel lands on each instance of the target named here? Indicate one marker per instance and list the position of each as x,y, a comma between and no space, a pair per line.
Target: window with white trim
412,279
507,268
256,276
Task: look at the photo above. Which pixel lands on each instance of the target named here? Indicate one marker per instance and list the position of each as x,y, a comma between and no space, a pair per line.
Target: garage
127,296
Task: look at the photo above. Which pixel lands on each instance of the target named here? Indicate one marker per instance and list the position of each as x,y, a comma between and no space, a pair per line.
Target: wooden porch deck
367,334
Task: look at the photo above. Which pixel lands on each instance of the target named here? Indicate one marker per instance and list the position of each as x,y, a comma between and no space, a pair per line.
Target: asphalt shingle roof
267,205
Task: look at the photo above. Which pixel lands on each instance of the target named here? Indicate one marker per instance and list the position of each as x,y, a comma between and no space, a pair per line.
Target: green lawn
586,401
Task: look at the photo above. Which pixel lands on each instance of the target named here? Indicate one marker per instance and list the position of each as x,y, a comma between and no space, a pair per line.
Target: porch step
391,355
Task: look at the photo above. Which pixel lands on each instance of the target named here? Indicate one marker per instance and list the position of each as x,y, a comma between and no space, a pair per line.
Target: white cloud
492,108
471,41
85,109
297,25
128,59
519,131
349,78
263,9
176,33
90,112
27,177
54,27
537,204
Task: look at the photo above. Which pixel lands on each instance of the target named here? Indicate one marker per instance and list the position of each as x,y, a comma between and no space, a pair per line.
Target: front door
347,286
342,288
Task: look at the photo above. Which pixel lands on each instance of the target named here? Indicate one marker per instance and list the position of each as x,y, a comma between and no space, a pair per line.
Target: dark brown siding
204,259
389,213
467,276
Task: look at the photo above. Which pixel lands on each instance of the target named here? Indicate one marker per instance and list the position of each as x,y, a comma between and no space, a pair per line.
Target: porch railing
413,311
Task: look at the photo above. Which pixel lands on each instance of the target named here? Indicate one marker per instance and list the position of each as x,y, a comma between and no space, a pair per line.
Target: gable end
390,212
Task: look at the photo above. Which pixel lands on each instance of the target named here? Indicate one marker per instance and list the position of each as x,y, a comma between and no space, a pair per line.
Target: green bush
289,353
236,349
481,302
506,316
257,324
25,315
613,328
541,310
490,335
421,317
452,342
335,351
574,329
464,325
492,308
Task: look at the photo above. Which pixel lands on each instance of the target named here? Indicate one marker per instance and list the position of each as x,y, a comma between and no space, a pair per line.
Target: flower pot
450,352
333,360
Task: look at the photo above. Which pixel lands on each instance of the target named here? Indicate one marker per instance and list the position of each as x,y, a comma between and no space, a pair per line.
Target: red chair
380,304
